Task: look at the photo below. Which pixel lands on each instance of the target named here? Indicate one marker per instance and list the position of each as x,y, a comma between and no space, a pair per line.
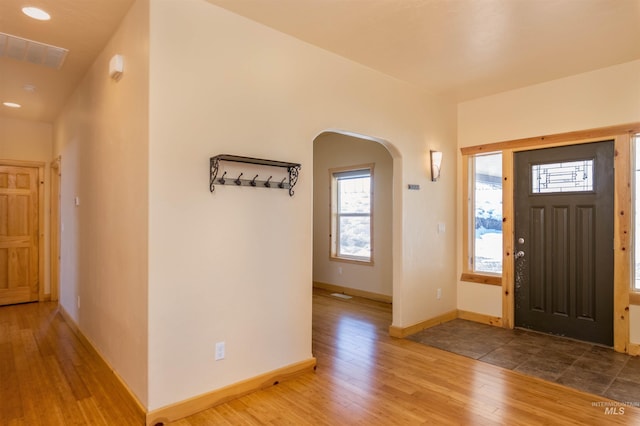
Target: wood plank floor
48,377
364,377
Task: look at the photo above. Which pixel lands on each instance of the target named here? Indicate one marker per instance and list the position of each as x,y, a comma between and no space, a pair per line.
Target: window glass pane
572,176
487,196
355,239
354,195
636,284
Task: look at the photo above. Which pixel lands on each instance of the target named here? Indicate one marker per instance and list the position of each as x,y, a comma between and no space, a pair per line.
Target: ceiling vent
32,51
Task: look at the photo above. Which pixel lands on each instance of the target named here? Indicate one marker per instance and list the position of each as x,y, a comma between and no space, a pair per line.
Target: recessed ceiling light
11,104
35,13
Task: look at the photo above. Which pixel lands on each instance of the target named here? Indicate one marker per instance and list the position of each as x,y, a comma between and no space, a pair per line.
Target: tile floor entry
584,366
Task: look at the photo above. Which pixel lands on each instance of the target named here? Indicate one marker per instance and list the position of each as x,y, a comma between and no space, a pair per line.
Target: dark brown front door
564,241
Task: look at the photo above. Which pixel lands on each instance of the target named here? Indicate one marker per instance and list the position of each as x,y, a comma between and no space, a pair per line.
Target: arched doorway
346,154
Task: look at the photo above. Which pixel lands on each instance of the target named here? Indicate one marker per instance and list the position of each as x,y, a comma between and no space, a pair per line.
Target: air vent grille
32,51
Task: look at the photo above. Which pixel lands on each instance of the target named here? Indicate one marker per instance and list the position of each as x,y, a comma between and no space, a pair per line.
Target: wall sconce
116,67
436,161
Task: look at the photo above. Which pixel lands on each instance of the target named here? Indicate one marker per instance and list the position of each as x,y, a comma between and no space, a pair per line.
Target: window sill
353,261
634,298
481,279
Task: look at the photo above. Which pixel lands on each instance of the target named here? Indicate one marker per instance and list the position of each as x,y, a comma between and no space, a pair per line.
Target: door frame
54,227
623,215
41,231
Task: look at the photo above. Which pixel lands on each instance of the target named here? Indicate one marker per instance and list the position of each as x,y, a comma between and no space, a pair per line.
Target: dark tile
585,380
526,348
567,346
506,357
604,363
631,371
546,365
580,365
600,352
624,391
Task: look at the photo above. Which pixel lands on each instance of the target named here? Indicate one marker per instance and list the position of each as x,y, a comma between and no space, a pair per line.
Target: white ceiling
82,26
464,48
461,48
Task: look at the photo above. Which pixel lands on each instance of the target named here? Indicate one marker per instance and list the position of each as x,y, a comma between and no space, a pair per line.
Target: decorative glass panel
572,176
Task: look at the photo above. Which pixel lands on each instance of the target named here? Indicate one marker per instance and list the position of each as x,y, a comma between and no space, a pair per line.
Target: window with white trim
351,214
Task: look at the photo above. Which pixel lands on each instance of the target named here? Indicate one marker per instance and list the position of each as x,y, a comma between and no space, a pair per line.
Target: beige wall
236,265
102,136
31,141
333,150
604,97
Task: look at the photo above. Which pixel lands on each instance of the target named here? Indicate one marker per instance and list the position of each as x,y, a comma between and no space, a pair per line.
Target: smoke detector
35,52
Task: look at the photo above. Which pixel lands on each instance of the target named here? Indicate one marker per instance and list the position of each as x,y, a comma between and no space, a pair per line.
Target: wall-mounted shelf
286,183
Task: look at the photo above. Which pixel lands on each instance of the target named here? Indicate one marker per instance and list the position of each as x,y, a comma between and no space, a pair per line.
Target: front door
18,234
564,241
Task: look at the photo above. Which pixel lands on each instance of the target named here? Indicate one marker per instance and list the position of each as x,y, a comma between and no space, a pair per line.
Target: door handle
519,254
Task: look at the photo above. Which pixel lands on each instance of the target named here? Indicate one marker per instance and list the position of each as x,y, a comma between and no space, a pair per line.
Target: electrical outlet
339,270
439,294
219,351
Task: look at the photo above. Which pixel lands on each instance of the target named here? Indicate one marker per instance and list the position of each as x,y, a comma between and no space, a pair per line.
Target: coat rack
286,183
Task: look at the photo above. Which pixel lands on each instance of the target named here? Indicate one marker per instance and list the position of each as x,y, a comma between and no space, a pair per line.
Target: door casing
622,135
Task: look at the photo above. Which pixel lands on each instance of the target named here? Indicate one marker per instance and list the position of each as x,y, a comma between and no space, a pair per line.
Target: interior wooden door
564,241
19,234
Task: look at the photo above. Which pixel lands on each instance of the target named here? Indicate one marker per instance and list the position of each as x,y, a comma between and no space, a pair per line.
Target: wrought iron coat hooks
293,170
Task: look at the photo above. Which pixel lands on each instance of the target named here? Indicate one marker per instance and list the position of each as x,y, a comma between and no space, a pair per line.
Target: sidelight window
486,213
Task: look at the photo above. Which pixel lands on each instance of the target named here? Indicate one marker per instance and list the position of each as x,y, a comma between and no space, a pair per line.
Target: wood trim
634,298
352,261
622,241
481,318
41,234
466,214
353,292
54,229
634,349
557,139
20,163
401,332
199,403
481,279
508,239
91,347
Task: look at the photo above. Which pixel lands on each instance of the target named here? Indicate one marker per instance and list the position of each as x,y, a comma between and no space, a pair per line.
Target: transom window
571,176
352,201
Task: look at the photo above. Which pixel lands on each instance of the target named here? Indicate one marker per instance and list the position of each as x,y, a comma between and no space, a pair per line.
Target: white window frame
345,173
